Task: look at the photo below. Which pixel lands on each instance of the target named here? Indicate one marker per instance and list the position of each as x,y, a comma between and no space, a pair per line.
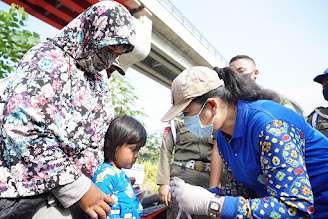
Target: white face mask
193,124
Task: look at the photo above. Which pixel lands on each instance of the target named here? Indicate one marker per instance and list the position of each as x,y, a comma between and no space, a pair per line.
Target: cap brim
320,78
175,110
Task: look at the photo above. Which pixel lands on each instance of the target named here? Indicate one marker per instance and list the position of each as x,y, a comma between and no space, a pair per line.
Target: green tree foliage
124,97
14,42
153,145
125,103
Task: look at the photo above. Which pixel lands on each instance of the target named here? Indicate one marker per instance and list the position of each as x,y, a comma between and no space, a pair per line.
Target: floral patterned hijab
106,23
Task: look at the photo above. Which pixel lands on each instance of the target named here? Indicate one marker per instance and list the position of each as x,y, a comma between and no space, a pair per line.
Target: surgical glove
191,199
173,184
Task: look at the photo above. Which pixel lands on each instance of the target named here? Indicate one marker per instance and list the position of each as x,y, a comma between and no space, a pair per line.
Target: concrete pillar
142,48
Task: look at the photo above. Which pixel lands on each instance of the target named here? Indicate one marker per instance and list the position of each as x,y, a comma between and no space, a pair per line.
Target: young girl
124,138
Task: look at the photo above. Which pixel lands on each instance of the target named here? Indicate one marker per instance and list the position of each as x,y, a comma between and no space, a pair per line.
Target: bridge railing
184,21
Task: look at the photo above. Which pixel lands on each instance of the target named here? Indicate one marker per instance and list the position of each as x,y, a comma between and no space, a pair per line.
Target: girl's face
127,155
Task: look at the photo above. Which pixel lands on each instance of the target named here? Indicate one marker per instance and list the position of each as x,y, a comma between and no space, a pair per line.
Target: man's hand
94,203
191,199
164,194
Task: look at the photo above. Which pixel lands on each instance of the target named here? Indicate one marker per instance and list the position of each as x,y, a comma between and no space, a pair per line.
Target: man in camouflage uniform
191,162
318,119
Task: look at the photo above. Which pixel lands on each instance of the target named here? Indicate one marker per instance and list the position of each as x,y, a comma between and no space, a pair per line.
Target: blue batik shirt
114,182
276,163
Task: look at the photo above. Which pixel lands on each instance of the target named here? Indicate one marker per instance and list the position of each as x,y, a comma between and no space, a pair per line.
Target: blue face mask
194,125
325,93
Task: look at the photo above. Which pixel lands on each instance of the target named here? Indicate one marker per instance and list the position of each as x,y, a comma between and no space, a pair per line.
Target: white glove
191,199
173,184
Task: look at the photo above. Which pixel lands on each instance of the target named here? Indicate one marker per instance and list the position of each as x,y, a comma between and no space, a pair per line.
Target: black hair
236,88
241,57
123,129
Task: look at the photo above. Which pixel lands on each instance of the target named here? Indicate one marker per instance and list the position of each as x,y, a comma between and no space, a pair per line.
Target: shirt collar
240,119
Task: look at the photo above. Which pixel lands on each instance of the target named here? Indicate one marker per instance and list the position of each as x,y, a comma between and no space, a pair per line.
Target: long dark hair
236,88
123,129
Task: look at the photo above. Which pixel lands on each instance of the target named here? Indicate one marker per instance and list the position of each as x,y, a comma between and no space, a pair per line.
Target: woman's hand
164,194
191,199
94,203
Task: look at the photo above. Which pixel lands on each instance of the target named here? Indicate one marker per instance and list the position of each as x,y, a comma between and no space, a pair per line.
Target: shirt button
235,154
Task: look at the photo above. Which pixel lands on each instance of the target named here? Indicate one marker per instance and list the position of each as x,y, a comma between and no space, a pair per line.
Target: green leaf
17,32
32,40
13,24
24,39
21,10
7,20
24,16
27,33
16,38
36,35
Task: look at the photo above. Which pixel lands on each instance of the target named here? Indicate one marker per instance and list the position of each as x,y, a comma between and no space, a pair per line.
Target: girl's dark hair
237,88
123,129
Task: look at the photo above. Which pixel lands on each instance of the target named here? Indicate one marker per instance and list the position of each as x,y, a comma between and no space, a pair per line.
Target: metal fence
184,21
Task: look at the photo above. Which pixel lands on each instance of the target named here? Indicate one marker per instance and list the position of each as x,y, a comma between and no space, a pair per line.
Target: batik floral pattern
282,148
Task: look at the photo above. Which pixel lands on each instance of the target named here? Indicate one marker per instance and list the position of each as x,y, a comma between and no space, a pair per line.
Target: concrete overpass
174,43
167,43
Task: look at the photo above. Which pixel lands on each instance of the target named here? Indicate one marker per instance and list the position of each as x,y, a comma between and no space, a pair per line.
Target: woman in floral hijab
57,109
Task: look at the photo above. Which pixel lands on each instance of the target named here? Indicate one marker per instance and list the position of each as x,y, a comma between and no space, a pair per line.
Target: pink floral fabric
56,111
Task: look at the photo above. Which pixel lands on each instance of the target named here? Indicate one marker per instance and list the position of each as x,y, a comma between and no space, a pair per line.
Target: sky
286,38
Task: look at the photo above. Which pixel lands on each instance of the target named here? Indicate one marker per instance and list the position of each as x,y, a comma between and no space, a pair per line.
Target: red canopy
57,13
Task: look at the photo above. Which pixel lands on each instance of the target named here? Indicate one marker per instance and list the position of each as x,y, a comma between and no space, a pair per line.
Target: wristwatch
214,206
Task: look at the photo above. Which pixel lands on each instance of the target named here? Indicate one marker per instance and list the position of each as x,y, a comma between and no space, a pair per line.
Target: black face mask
325,93
248,76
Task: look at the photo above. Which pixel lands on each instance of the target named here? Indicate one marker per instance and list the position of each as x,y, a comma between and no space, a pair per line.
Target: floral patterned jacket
56,111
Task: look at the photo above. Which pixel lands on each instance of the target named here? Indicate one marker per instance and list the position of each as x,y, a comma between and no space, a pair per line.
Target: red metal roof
56,12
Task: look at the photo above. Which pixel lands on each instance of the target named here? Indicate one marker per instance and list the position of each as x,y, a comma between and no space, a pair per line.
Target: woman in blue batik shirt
276,163
124,138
